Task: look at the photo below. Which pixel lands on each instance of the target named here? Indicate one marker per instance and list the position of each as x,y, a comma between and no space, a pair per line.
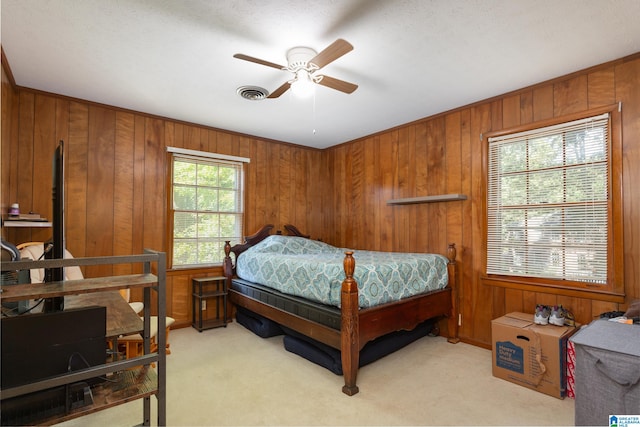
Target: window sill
194,269
523,285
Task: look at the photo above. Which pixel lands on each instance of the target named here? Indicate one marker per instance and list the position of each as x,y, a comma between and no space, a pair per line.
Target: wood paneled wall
115,179
442,154
116,182
8,127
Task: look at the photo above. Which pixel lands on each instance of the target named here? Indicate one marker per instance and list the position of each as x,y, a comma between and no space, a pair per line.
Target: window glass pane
184,253
546,187
184,225
230,225
587,183
513,190
208,225
184,198
541,224
208,252
586,145
184,173
513,157
588,225
228,177
228,201
207,175
207,199
545,152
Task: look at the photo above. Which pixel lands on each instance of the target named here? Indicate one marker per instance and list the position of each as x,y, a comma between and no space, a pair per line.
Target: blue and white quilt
314,270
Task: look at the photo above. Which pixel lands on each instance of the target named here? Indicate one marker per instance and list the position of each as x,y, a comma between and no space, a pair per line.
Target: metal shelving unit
128,379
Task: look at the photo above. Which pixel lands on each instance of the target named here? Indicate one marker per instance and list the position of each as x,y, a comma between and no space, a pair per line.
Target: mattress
314,270
310,310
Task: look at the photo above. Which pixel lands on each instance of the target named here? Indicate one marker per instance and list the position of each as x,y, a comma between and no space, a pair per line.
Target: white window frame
611,283
199,157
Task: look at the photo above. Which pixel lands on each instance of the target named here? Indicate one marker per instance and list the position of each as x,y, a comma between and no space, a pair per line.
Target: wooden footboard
358,326
362,326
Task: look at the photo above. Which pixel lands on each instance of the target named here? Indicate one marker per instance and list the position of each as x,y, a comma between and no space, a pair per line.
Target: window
206,207
550,204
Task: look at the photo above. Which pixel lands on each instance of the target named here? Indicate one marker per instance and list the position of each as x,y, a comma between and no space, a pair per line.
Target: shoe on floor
542,315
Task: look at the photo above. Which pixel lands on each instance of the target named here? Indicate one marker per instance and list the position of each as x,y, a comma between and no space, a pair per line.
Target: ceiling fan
303,63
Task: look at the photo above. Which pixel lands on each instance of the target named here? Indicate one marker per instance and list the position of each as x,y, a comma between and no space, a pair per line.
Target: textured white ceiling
411,58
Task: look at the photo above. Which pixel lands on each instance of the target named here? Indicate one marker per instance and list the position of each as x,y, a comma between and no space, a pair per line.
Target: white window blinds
548,202
207,208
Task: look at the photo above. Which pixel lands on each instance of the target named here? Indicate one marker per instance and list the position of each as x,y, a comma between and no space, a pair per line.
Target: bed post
452,324
350,336
227,265
228,268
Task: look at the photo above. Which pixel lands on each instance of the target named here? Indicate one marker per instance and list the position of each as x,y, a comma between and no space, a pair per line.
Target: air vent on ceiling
252,93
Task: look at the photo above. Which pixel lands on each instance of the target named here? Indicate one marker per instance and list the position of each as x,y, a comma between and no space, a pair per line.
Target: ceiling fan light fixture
302,86
303,62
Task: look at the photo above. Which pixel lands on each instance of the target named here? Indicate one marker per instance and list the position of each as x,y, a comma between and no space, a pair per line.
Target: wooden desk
121,319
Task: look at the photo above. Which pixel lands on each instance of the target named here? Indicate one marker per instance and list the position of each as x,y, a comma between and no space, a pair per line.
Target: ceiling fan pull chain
314,114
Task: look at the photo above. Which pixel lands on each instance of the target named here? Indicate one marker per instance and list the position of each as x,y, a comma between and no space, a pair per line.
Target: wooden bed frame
357,326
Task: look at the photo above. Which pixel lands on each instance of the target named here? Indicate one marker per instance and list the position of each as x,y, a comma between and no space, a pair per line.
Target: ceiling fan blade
337,84
334,51
282,89
258,61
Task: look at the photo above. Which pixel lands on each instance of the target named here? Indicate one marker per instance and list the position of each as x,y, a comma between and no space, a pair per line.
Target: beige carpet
229,376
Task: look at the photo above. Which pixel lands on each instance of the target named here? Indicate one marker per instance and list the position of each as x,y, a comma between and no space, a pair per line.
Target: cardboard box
533,356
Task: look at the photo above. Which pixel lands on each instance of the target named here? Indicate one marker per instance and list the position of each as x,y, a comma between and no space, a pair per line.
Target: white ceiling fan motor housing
298,58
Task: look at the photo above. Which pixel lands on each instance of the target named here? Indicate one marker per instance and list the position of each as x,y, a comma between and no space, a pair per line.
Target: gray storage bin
607,372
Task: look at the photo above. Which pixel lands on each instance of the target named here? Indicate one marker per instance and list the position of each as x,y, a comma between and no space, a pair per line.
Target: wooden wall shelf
25,223
428,199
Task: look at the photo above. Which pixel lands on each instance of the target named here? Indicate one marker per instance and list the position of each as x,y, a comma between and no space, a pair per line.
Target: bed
345,319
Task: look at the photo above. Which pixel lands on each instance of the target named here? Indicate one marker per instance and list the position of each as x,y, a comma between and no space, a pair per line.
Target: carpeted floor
229,376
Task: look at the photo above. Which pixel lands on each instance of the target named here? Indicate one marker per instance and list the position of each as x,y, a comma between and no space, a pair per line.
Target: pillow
293,245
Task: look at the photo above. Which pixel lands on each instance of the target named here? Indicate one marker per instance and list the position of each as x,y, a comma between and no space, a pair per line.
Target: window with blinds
548,202
207,208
